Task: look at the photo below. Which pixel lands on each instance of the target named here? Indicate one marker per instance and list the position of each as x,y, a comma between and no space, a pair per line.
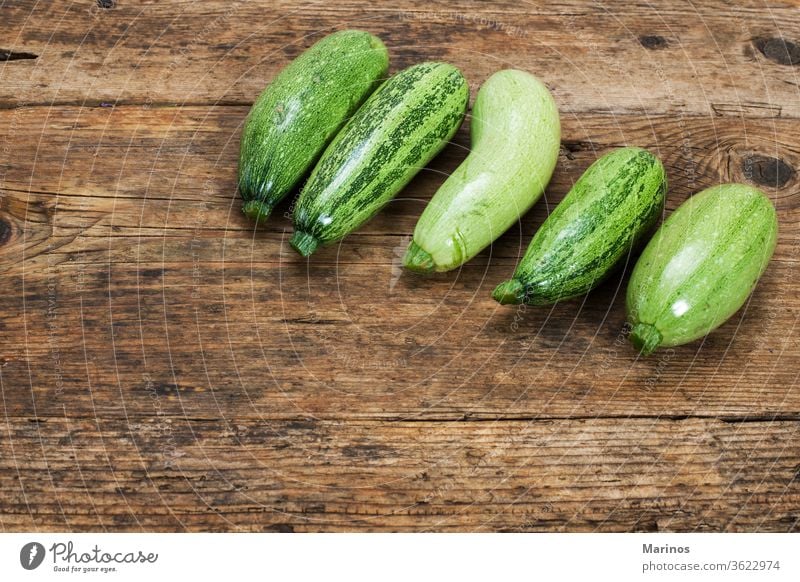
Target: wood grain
167,473
164,366
676,57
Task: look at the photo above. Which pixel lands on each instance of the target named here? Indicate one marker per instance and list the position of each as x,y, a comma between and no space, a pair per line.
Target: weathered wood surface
679,57
166,367
163,473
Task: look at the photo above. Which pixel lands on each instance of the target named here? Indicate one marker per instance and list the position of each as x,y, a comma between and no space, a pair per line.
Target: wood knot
778,50
6,231
653,42
767,171
106,3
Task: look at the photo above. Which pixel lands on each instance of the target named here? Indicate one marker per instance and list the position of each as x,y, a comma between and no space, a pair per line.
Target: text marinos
651,549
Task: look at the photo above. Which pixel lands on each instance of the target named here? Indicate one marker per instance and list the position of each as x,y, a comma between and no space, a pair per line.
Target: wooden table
167,367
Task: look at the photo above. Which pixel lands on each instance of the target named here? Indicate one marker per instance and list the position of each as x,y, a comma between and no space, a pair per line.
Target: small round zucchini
299,113
700,266
515,135
399,129
613,204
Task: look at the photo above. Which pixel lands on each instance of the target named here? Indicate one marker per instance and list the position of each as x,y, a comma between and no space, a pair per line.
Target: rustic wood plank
165,171
132,264
680,57
165,473
280,342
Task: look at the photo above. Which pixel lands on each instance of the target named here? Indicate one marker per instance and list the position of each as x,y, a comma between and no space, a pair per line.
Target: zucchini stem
304,243
645,338
511,292
418,259
258,210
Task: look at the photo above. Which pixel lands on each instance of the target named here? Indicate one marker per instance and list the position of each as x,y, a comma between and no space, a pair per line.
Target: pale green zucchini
515,135
700,266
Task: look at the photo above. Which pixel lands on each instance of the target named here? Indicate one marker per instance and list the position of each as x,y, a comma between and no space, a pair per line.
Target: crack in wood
749,110
9,55
305,424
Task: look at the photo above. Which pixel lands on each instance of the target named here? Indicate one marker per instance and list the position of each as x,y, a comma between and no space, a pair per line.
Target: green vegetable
700,266
515,141
400,128
616,201
299,113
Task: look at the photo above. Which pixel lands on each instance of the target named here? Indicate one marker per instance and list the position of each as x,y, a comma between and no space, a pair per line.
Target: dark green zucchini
400,128
616,201
299,113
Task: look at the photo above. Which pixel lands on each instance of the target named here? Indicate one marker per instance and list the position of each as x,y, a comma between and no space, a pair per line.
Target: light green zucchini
515,135
612,205
400,128
700,266
299,113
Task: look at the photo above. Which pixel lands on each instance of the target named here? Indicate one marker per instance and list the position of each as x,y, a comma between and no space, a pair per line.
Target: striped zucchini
300,112
610,207
400,128
700,266
515,141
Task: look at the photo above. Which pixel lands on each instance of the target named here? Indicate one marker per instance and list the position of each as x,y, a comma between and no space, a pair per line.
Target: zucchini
616,201
299,113
700,266
516,136
399,129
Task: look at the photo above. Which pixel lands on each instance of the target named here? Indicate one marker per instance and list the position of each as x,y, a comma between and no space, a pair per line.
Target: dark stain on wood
576,146
293,50
303,425
107,4
646,525
778,50
767,171
215,308
152,273
372,452
8,55
6,230
653,42
163,389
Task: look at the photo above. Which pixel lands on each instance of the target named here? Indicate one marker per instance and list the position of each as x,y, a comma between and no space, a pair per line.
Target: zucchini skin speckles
701,266
516,136
612,205
300,112
399,129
